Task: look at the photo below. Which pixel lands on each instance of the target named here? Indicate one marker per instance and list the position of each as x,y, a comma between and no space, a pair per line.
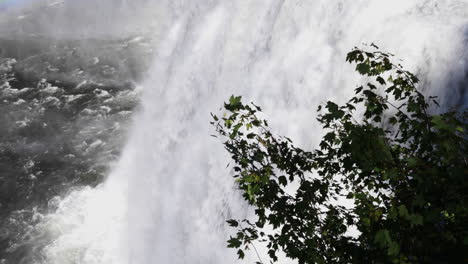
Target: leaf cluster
404,169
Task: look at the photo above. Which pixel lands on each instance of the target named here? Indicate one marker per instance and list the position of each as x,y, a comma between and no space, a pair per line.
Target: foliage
404,169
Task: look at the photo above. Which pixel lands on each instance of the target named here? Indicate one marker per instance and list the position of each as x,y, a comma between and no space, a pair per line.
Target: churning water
167,199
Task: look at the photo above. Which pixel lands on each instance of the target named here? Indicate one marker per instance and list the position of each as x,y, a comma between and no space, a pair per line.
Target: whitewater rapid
168,197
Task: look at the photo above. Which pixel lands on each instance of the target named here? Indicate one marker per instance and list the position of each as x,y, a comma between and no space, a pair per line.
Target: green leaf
240,253
251,135
232,223
416,220
439,122
234,103
363,68
380,80
382,238
235,131
234,243
235,100
359,89
403,211
393,249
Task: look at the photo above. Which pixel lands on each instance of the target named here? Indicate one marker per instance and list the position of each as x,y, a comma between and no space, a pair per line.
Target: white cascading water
167,199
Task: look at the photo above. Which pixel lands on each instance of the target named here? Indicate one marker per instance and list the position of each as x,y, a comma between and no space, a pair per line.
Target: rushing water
167,199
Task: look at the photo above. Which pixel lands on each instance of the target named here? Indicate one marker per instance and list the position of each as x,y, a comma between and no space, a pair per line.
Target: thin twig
256,252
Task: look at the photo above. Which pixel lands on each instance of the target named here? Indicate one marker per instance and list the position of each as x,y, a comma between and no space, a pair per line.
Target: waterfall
167,199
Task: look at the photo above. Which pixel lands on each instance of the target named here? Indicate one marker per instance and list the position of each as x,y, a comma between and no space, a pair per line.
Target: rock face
64,110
